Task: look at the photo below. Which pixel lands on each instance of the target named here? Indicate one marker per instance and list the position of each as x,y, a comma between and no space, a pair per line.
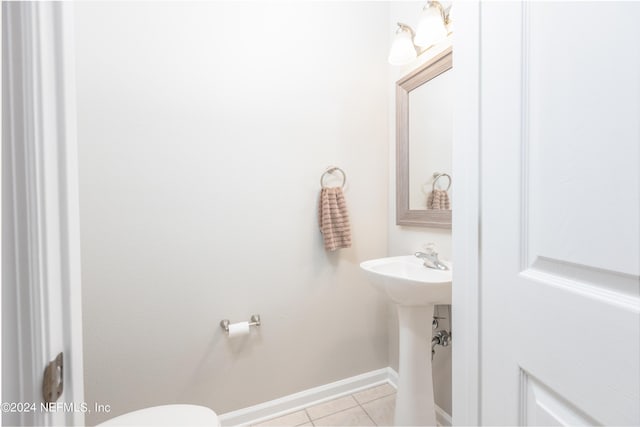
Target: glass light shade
402,50
431,27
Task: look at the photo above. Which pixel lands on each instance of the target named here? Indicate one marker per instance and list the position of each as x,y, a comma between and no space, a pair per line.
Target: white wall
203,131
407,240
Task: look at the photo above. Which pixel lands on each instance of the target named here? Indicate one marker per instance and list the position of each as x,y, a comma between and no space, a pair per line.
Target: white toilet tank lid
167,415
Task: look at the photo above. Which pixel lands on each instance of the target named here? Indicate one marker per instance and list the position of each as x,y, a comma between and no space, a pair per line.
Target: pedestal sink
415,289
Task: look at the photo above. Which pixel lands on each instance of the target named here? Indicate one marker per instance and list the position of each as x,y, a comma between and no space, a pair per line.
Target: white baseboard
393,377
297,401
294,402
443,418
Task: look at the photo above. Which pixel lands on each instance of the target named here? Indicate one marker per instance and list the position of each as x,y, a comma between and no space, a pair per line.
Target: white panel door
560,213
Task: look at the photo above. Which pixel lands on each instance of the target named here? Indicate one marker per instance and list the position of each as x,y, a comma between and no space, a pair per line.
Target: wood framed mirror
423,141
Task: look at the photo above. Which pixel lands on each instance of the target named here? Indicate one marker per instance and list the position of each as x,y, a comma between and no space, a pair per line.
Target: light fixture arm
444,13
405,27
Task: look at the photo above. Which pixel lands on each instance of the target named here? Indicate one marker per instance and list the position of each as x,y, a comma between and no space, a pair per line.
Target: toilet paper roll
238,329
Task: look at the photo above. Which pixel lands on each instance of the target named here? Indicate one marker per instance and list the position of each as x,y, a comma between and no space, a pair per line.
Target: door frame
40,153
1,201
466,238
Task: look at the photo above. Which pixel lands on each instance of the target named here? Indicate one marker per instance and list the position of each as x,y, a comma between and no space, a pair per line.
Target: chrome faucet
430,257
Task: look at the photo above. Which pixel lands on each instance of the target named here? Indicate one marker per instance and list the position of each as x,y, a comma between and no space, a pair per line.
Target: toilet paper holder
255,321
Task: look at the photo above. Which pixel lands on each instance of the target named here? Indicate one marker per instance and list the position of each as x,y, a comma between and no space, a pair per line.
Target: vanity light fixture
432,25
403,50
432,28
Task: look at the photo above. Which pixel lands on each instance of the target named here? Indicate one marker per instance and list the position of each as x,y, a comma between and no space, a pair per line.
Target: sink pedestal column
415,401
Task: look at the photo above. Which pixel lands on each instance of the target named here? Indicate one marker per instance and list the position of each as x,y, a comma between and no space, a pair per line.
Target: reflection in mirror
424,113
430,131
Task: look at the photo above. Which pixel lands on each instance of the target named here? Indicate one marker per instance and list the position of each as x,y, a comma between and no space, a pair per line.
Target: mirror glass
424,128
430,131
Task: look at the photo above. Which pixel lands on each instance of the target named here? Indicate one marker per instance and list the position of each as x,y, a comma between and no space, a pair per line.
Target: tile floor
370,407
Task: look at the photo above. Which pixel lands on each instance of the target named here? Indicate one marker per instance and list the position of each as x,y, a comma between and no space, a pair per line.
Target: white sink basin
406,281
415,289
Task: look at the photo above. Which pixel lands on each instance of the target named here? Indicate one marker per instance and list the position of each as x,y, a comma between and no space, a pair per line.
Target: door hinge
53,381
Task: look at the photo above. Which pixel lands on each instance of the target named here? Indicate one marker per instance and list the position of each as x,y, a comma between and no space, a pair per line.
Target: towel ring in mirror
437,176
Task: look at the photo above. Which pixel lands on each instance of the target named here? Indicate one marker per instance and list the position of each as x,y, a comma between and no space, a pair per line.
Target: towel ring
333,169
437,176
